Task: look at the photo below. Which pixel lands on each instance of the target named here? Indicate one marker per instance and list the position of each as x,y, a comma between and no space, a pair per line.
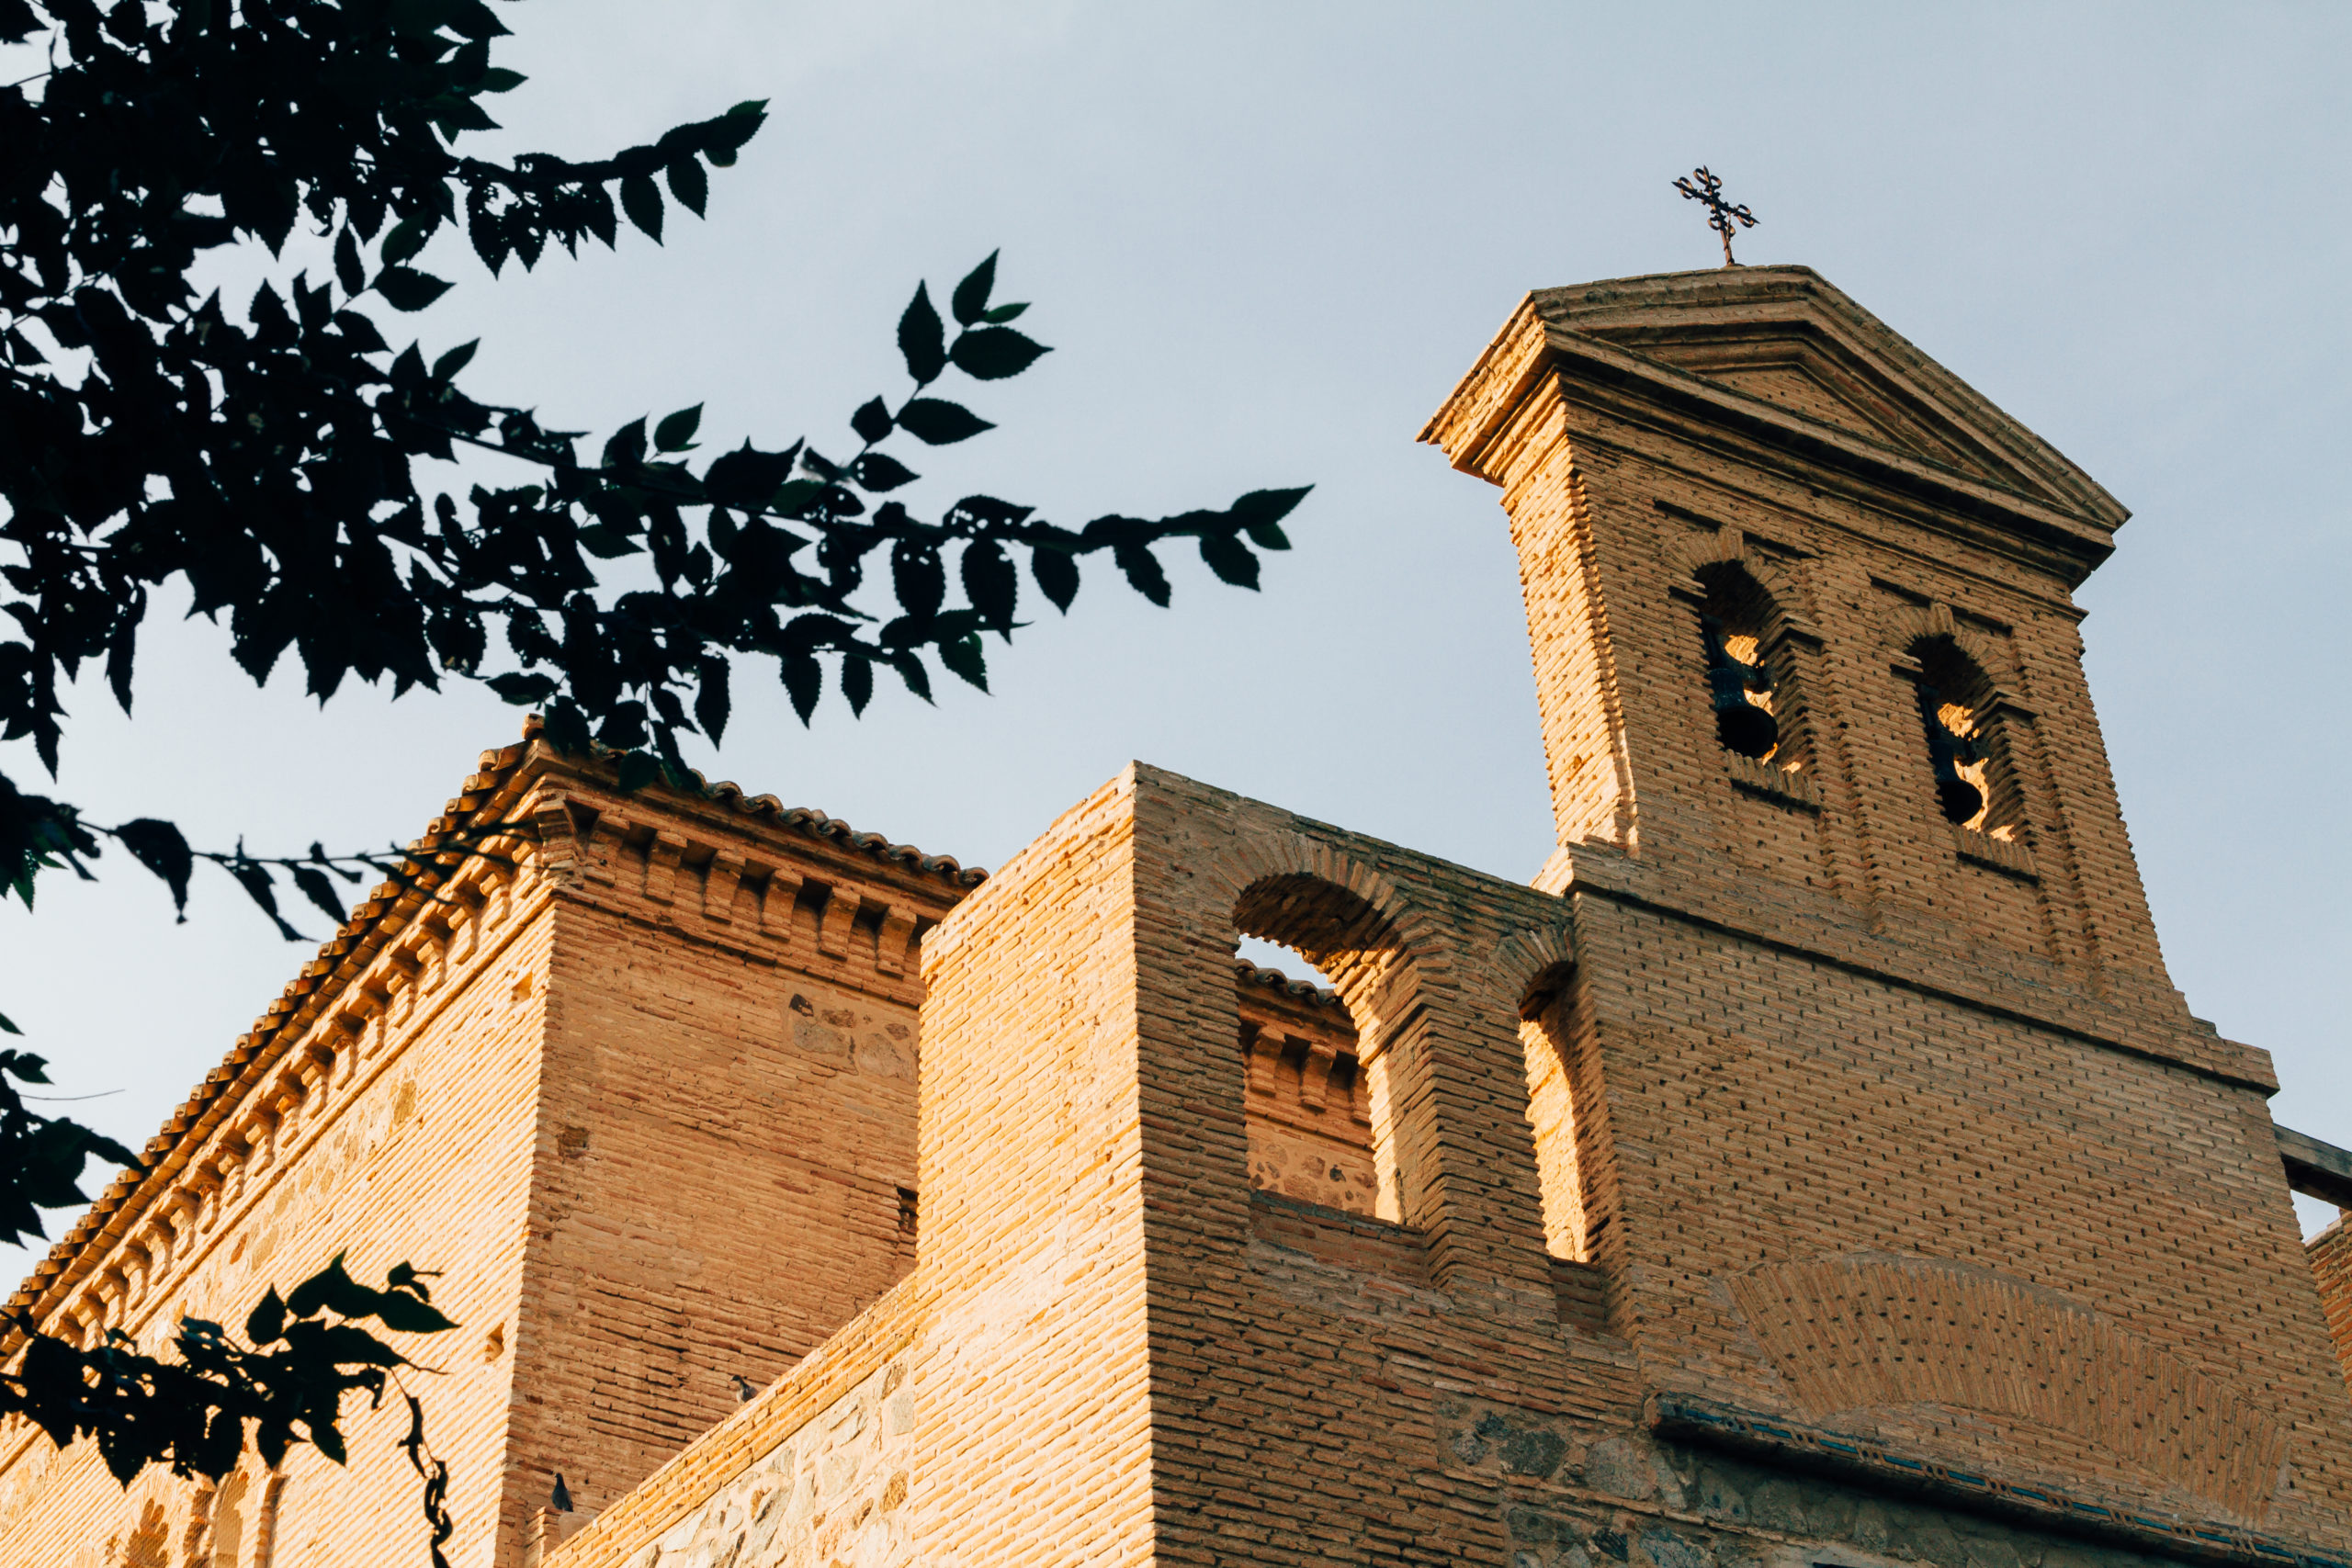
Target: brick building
1815,1166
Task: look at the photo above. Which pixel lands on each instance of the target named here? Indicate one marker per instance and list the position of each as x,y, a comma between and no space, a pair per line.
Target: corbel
607,840
661,858
894,941
718,884
1315,1080
465,919
1264,1049
778,897
842,902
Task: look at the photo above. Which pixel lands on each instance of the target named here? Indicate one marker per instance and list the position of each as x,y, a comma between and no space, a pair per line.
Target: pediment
1786,339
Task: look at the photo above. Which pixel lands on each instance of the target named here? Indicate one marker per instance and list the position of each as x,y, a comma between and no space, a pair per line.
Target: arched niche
1379,982
1965,745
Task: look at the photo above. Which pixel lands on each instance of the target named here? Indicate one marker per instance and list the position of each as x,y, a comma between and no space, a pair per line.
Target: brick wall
2331,1258
725,1134
1792,1175
1310,1111
642,1084
403,1139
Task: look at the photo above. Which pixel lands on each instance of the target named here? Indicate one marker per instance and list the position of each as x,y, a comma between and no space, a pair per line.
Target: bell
1947,749
1746,728
1961,800
1740,724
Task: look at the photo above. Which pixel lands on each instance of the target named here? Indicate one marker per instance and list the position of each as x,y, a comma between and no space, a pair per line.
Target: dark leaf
406,1314
676,431
406,288
1004,313
407,238
804,679
919,579
157,845
497,79
689,184
319,891
1261,511
747,478
348,269
963,656
606,543
991,583
922,339
625,448
872,421
711,702
641,200
254,878
1057,575
120,649
971,296
938,423
268,1320
857,685
879,472
521,690
566,729
1143,572
991,354
1230,559
456,360
637,770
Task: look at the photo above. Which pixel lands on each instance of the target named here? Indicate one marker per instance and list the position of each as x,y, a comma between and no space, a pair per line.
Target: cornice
1545,336
525,790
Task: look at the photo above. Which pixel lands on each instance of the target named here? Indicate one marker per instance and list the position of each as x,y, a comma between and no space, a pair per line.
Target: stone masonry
1813,1166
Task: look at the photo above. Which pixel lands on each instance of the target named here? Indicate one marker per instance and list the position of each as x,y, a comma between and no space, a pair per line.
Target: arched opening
1309,1107
1752,683
1318,1101
1967,755
1572,1220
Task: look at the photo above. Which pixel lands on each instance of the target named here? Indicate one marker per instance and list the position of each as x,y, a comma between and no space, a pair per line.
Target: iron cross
1720,213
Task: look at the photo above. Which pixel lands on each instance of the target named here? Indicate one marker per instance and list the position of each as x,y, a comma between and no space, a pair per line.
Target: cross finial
1721,214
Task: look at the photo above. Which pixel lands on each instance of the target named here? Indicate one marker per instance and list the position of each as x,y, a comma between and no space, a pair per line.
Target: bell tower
1873,1087
1801,615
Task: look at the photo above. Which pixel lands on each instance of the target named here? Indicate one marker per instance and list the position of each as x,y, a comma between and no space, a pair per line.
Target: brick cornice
1830,936
526,788
2049,505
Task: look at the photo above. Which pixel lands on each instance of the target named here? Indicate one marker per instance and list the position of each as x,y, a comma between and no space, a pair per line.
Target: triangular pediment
1787,339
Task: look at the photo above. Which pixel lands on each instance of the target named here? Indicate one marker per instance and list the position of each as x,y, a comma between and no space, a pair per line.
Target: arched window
1967,755
1309,1110
1318,1103
1751,681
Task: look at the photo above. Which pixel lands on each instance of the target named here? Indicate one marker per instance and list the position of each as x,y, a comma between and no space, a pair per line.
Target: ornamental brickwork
1813,1166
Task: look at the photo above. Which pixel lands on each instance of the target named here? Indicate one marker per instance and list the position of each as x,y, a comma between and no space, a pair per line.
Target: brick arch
1921,634
1702,559
1268,881
1528,972
1914,624
1527,956
1385,957
1866,1330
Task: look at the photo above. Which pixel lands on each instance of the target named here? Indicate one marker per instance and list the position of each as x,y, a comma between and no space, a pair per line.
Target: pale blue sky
1265,239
